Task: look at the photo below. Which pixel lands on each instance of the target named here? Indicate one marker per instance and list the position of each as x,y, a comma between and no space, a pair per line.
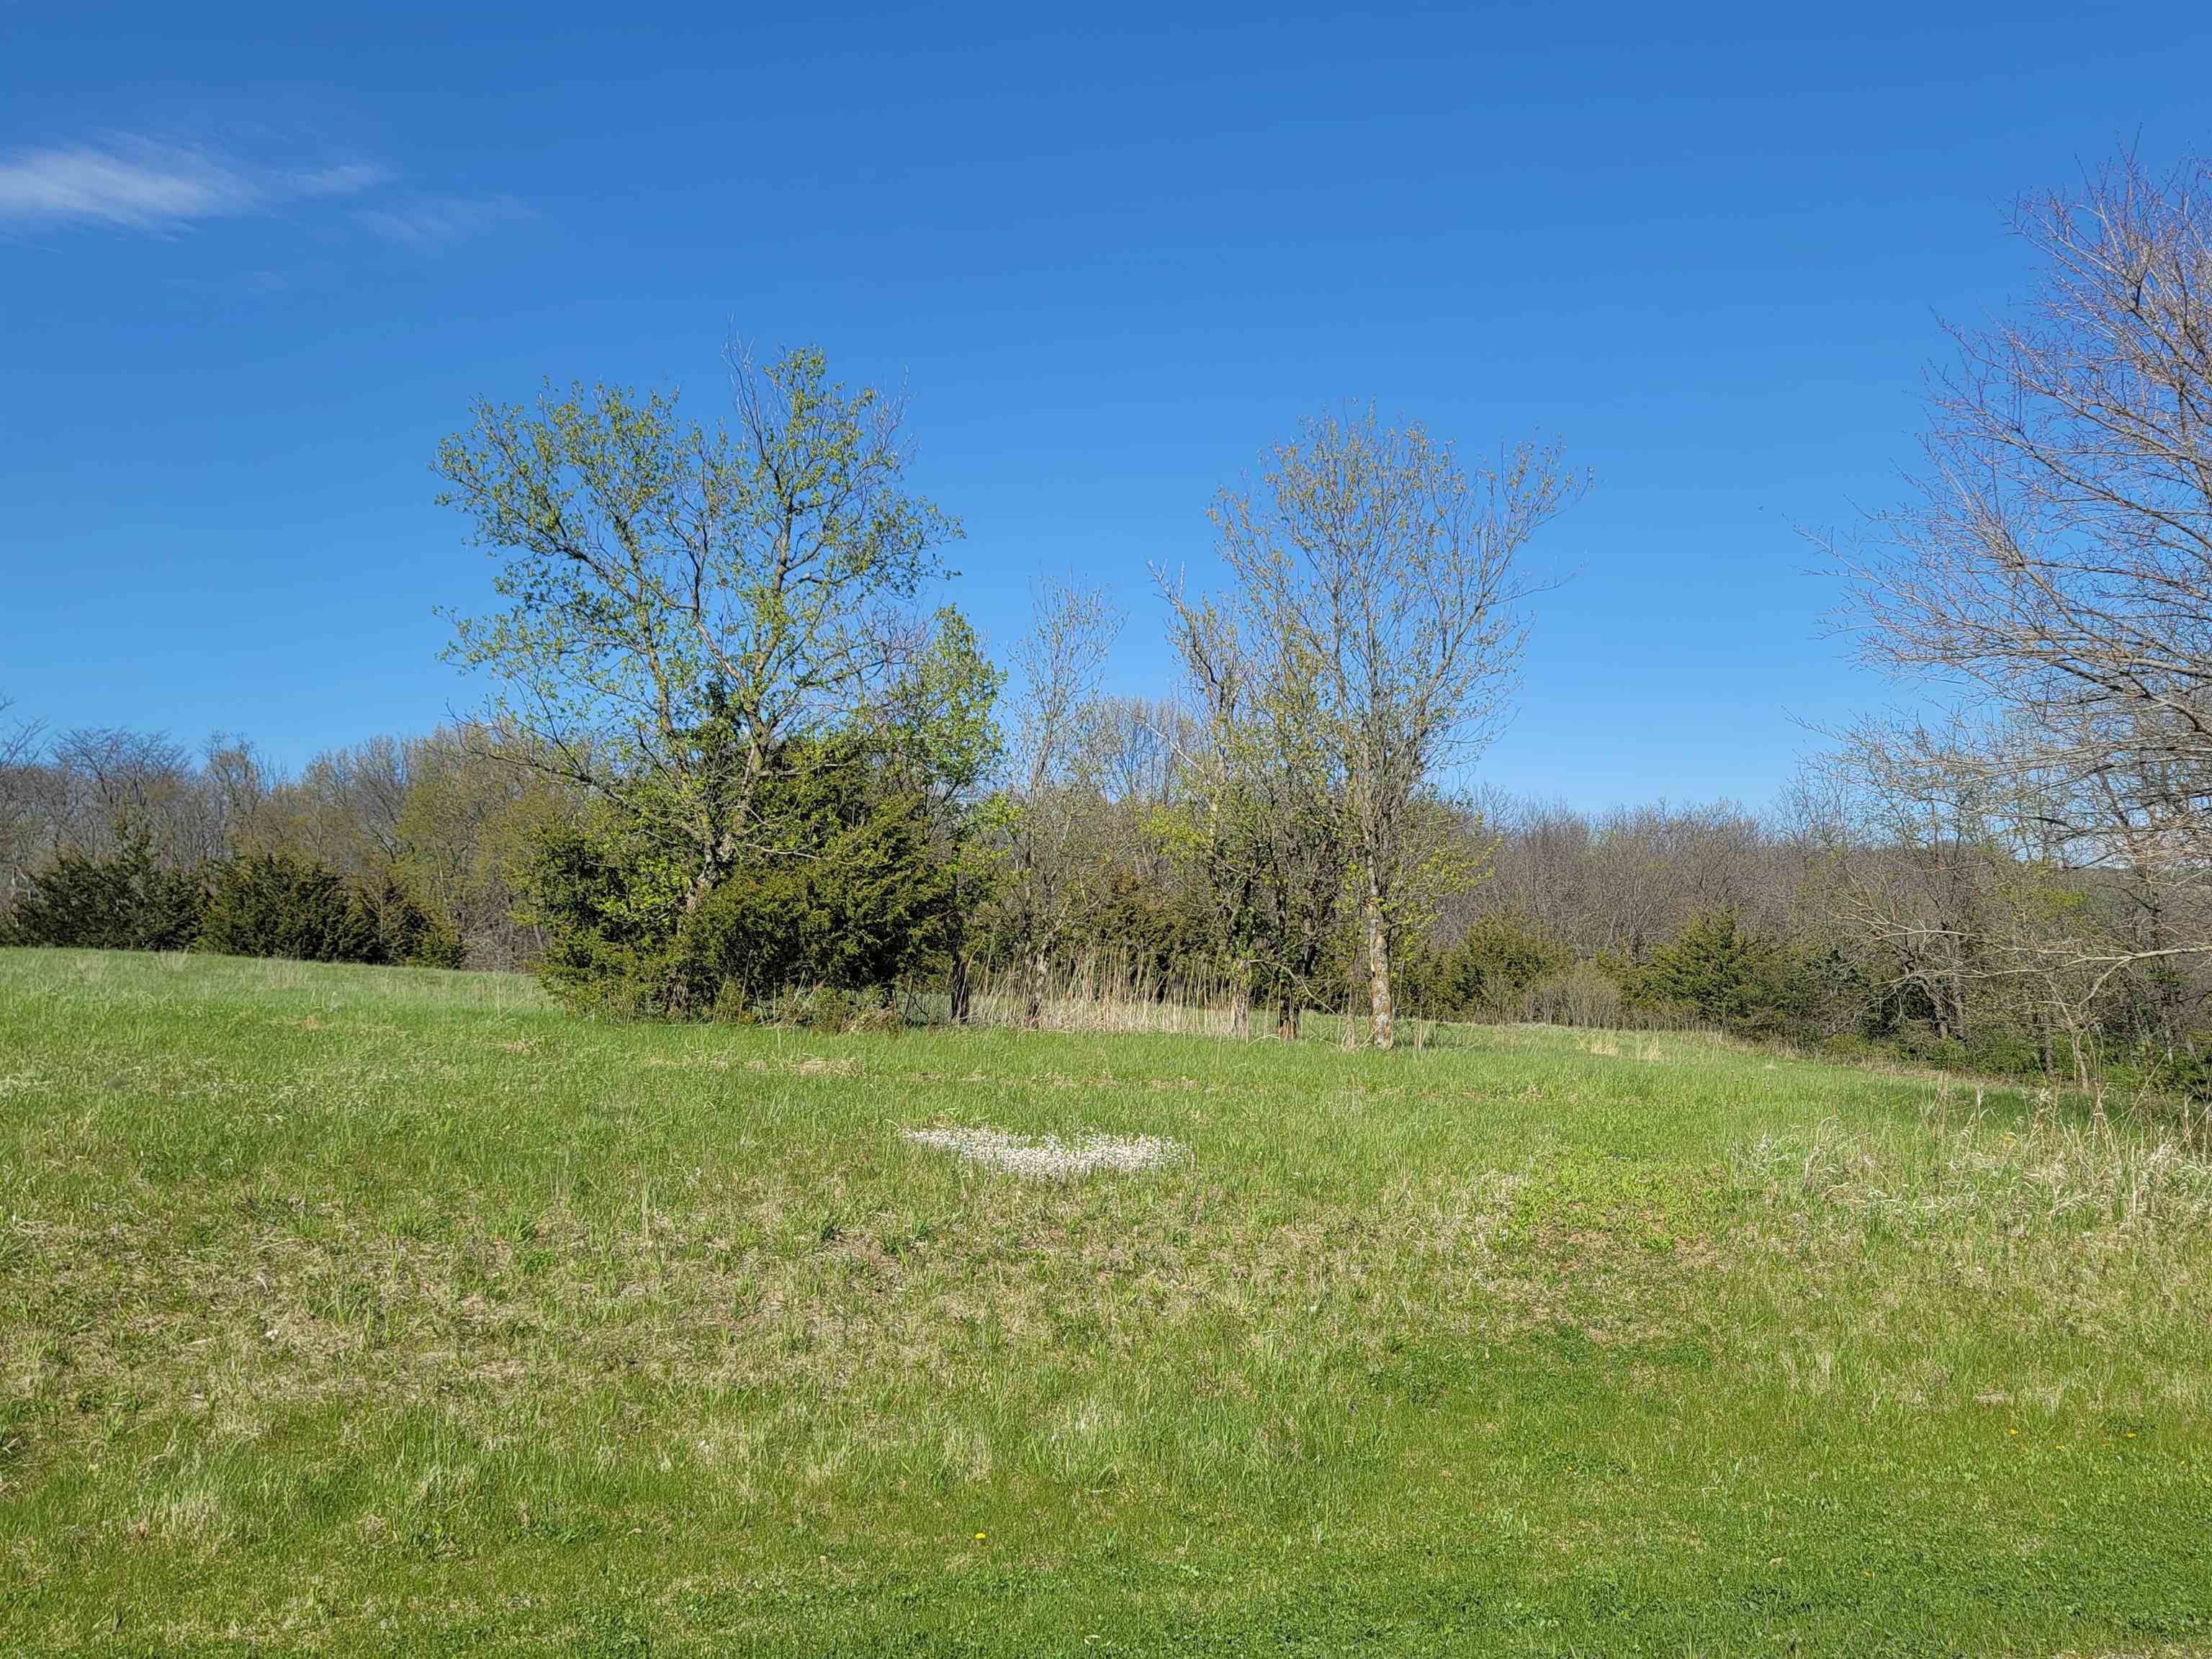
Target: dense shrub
1722,972
123,902
411,934
271,904
849,895
1487,973
866,904
609,902
2183,1069
1154,928
278,904
1582,993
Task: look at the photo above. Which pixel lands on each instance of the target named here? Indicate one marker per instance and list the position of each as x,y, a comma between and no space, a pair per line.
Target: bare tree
238,783
109,786
1269,816
474,802
1902,870
1053,763
1139,741
1393,575
21,787
1948,883
2056,566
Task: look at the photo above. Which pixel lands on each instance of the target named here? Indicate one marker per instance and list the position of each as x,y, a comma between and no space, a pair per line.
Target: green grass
358,1310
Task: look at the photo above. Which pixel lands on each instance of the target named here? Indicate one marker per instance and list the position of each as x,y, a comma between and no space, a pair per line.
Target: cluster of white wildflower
1048,1157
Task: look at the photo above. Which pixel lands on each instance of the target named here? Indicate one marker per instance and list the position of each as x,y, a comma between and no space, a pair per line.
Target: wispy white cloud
349,179
428,223
135,184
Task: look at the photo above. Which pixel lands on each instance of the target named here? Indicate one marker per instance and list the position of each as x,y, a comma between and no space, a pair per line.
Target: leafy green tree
279,905
684,602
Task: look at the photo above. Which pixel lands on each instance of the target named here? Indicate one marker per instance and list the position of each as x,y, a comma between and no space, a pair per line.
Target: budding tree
681,601
1392,575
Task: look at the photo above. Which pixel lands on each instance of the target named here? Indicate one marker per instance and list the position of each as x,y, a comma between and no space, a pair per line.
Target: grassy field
352,1310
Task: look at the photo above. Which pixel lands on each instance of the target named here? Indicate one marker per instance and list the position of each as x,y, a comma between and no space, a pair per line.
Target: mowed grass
354,1311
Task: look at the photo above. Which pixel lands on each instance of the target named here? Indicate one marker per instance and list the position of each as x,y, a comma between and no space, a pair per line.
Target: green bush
124,903
865,906
1487,974
408,933
1722,973
2186,1070
850,894
610,902
277,904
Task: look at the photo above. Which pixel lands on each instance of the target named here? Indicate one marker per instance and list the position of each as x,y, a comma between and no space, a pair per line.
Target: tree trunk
703,881
1040,965
960,992
1378,966
1938,985
1240,1008
1288,1010
963,994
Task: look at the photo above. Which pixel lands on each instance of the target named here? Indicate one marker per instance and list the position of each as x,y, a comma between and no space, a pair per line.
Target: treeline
401,851
906,885
732,767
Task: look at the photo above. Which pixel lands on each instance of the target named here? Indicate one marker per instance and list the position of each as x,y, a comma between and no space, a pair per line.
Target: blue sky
254,262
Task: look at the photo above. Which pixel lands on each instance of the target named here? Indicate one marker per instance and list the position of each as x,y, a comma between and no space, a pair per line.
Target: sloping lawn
351,1310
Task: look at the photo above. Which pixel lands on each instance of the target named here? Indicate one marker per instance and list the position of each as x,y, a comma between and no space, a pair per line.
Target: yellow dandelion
981,1536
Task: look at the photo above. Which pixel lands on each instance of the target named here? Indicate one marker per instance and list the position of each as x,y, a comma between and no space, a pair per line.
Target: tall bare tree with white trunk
1393,574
